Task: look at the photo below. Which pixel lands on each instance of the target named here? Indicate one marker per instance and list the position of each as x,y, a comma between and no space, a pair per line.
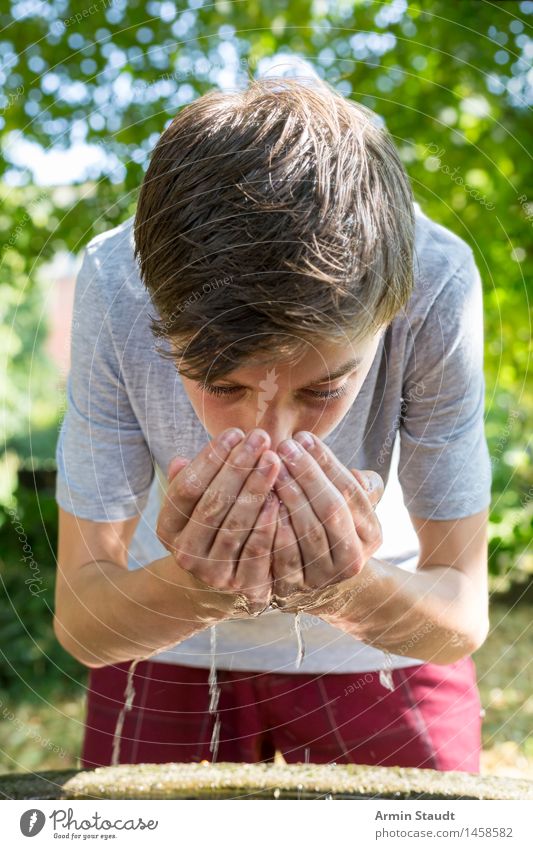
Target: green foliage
29,650
449,79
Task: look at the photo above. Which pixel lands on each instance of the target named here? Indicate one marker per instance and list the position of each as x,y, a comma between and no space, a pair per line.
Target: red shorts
432,719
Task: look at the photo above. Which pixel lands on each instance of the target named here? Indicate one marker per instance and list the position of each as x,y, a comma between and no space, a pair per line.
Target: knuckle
344,548
293,562
333,511
189,487
211,506
255,549
314,534
186,560
284,534
288,558
350,491
232,522
363,527
233,584
255,487
370,529
228,542
263,536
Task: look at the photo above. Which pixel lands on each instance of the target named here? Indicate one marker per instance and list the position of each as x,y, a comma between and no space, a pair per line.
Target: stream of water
385,674
299,636
214,692
385,679
129,695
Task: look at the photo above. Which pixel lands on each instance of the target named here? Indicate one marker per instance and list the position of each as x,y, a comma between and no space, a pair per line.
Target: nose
279,424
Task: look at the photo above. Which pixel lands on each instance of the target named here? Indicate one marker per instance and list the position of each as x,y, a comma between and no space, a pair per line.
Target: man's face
284,398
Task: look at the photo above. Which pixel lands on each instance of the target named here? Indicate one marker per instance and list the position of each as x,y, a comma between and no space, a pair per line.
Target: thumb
175,466
371,482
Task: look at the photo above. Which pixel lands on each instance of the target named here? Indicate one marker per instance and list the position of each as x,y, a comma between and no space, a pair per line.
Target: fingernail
305,439
265,464
255,439
367,482
290,449
372,481
230,438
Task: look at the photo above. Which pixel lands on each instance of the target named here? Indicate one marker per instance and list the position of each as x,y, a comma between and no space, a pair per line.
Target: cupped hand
327,529
219,515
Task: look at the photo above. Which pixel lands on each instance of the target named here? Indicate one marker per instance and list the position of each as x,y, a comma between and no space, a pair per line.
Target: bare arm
218,523
324,564
439,613
106,614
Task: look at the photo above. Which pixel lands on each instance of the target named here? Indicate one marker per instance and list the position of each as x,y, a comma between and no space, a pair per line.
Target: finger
287,566
331,509
312,539
212,508
238,523
175,466
253,575
369,480
188,484
358,500
372,483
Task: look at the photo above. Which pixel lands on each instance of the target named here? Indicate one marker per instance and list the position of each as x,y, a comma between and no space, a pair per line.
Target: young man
307,313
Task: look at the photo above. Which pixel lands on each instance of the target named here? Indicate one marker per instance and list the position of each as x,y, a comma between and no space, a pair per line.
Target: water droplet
385,674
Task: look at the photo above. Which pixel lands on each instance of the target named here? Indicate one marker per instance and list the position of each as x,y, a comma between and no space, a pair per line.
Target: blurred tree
453,82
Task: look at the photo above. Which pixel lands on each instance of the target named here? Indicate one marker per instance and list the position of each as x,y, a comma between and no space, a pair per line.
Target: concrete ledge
259,781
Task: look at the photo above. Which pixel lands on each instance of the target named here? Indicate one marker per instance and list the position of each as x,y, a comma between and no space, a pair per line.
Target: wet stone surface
265,781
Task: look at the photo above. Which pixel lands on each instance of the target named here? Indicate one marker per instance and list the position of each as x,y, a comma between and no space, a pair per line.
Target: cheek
323,420
214,415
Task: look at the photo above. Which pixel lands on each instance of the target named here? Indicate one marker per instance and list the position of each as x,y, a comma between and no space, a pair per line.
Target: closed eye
326,394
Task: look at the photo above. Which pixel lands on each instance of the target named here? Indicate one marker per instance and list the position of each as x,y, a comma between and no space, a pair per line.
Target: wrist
331,603
327,602
206,604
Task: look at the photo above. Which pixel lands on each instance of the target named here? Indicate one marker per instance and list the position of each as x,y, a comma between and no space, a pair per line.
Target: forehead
315,361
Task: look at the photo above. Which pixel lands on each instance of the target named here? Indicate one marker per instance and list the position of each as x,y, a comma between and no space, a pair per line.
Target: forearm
434,614
109,614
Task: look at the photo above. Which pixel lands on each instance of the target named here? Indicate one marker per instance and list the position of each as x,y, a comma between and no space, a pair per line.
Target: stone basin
259,781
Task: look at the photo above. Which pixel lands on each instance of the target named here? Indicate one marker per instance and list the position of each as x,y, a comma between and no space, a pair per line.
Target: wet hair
270,218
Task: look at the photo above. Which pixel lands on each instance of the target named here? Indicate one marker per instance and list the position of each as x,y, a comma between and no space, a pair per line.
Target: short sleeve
444,465
104,466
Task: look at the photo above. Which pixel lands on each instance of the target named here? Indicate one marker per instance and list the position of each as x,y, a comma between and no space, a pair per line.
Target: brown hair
270,218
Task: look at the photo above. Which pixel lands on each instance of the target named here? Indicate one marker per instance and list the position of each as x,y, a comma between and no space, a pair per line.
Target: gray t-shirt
418,420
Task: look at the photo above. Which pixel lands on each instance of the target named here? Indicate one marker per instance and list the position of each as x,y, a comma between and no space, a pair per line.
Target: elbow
66,642
461,645
480,636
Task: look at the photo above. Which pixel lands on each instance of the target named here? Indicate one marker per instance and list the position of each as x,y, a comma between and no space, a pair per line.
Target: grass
45,730
505,680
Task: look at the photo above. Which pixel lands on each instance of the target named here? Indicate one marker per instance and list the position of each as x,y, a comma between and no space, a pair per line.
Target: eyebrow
340,371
